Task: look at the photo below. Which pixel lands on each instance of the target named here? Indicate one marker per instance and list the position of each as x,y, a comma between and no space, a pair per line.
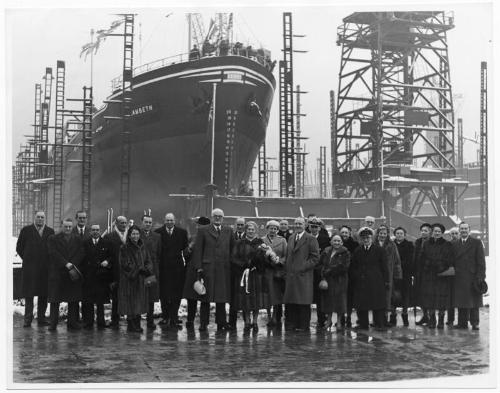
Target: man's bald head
169,220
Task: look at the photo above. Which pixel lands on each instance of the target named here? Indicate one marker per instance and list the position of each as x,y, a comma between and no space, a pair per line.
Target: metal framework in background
300,153
58,167
395,106
262,168
42,165
322,172
460,144
333,138
483,156
128,61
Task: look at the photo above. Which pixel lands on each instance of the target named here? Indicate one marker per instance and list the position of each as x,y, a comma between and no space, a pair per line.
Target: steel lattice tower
483,157
395,106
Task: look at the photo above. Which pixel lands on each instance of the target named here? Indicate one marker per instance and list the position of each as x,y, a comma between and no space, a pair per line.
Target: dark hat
203,220
480,286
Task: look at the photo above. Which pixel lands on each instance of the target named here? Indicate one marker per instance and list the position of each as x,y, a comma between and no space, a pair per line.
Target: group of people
132,267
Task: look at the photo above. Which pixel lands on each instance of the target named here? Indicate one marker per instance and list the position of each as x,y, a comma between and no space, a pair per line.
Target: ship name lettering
142,109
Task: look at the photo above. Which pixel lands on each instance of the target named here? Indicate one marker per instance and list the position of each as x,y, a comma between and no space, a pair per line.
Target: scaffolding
395,105
58,195
333,140
483,156
460,142
299,149
322,172
262,164
128,60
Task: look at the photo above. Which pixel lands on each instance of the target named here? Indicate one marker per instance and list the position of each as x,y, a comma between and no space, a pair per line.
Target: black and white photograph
249,195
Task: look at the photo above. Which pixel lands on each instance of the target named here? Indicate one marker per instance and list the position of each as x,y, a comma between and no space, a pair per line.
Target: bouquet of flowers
269,253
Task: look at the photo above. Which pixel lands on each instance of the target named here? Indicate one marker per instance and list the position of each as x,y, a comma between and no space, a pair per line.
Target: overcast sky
37,38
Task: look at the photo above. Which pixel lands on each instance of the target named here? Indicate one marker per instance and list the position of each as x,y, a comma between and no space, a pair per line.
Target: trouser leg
173,310
278,313
321,317
204,313
191,309
379,318
220,314
463,316
450,316
164,308
73,313
290,316
54,314
115,317
100,314
474,316
88,313
28,309
304,316
363,318
41,308
150,314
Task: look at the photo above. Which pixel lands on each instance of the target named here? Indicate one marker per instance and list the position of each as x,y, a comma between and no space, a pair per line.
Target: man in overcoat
470,269
32,248
425,234
351,245
97,275
65,281
239,234
81,228
370,278
117,237
212,260
152,242
302,256
174,240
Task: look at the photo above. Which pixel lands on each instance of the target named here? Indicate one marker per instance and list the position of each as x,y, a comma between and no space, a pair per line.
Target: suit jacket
212,253
96,277
86,232
470,267
301,259
33,250
62,251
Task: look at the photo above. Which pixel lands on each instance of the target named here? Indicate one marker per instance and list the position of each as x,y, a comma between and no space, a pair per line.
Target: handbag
150,280
323,285
448,272
480,286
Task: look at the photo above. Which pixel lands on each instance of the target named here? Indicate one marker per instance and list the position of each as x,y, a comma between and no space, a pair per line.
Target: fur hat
363,231
203,221
273,223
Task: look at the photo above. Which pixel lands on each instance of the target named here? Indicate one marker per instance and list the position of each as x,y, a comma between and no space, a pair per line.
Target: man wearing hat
65,281
470,272
188,292
302,257
239,234
212,260
370,278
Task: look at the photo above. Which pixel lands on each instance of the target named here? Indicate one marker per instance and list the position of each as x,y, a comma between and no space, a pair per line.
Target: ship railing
116,83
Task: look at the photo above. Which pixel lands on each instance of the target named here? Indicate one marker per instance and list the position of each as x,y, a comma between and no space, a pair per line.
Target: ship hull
171,130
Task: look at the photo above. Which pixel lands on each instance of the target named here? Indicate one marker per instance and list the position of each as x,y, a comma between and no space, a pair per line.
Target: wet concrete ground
99,356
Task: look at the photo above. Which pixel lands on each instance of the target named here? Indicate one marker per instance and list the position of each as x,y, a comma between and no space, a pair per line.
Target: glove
199,274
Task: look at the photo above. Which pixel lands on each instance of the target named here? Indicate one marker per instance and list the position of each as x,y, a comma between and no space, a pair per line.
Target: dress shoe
475,327
460,326
102,326
88,326
221,327
27,324
115,325
404,317
52,328
74,326
189,324
301,330
449,323
360,327
43,322
381,328
202,328
392,320
255,327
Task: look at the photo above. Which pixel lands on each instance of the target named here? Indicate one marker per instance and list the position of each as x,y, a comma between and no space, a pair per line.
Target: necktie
297,238
170,232
218,230
81,232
